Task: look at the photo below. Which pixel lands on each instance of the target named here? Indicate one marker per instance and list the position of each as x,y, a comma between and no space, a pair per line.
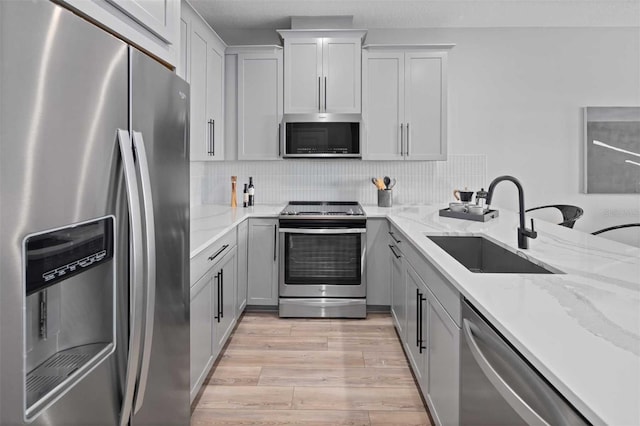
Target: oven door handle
323,230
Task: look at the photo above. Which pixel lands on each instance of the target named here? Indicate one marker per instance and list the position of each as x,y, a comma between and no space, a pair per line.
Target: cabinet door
241,291
200,137
383,97
215,99
182,67
302,71
443,364
201,330
398,290
259,106
153,15
263,262
206,78
226,297
378,263
341,80
415,312
425,106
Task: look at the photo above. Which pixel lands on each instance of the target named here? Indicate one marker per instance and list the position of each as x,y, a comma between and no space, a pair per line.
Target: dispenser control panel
55,255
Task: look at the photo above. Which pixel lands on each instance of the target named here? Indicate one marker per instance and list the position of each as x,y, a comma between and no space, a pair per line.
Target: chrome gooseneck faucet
523,232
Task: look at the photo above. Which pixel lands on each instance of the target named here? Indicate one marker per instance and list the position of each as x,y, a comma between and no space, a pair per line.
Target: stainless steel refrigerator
94,226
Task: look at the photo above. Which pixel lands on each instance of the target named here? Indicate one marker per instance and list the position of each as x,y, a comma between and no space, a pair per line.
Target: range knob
349,212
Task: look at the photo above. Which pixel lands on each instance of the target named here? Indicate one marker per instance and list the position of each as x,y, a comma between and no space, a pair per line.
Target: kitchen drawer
444,291
211,255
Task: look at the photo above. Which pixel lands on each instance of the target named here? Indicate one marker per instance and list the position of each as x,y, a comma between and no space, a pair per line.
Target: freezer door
64,95
159,122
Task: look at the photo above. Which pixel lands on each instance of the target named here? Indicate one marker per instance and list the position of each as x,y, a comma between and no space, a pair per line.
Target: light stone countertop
580,329
209,222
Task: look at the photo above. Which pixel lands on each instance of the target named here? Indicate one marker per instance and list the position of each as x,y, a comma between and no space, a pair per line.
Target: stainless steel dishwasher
498,387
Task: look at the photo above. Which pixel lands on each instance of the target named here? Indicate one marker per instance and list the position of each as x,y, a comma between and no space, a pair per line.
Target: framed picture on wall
612,150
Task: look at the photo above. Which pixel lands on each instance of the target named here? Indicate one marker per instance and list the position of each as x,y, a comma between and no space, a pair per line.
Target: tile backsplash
418,182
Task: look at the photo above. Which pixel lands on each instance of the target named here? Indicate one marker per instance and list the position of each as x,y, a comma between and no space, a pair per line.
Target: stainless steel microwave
322,135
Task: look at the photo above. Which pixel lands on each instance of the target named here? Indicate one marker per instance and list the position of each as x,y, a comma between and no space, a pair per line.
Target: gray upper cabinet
205,74
259,104
153,26
405,103
322,71
383,98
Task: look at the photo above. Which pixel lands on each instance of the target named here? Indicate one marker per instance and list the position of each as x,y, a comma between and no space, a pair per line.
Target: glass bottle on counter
245,196
252,191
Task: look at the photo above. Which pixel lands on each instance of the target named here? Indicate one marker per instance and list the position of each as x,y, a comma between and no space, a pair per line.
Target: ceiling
228,17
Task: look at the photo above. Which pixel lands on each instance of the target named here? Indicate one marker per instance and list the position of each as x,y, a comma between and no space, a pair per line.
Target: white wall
516,95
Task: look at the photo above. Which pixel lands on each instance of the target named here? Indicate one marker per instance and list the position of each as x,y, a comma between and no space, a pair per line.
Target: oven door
322,262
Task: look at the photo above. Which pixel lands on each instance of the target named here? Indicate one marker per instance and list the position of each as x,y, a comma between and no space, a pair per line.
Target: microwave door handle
150,245
511,397
135,274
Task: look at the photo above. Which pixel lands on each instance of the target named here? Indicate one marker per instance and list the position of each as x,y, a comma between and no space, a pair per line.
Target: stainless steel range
322,260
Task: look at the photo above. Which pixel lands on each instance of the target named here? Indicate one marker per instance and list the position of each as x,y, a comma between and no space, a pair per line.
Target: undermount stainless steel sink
480,255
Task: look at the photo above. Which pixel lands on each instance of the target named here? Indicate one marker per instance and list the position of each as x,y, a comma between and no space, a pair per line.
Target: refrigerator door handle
150,284
136,273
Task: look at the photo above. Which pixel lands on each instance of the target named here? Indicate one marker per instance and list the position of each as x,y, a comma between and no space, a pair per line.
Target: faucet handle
532,233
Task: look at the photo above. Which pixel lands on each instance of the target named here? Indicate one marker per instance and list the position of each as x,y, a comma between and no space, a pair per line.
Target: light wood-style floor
311,372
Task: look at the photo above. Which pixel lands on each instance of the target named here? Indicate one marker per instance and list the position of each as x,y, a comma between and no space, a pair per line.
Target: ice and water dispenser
69,307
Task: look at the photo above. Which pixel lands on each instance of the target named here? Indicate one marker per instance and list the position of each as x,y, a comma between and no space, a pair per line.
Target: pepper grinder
234,201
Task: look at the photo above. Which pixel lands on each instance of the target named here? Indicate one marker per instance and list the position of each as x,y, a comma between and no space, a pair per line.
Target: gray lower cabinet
225,299
443,363
201,330
429,334
213,315
263,262
398,289
415,308
243,240
377,263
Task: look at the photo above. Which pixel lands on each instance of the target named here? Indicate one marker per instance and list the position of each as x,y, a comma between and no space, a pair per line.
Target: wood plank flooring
311,372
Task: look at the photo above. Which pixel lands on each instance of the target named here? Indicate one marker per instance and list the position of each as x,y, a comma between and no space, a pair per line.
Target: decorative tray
488,215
